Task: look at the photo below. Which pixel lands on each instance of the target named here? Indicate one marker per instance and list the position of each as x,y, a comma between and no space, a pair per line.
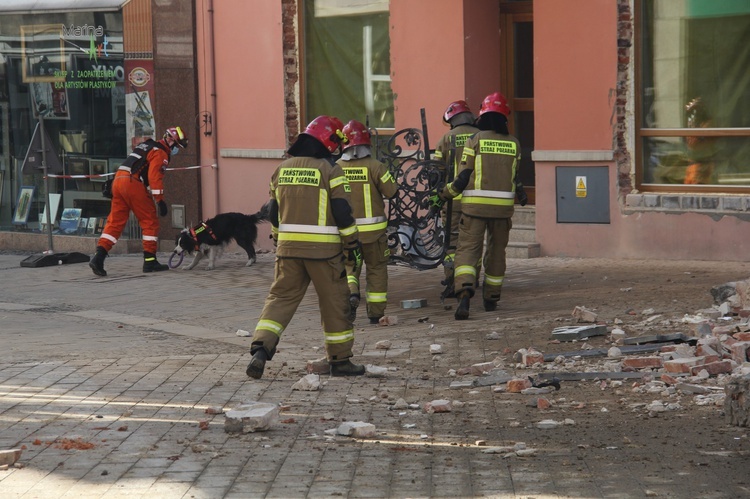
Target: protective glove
162,208
435,201
521,195
354,254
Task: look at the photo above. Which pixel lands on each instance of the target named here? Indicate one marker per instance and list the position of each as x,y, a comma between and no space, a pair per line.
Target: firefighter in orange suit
449,149
313,228
369,180
137,184
487,180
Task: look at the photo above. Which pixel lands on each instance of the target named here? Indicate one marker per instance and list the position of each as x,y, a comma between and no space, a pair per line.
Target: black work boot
490,305
353,304
97,261
347,368
257,364
462,311
151,264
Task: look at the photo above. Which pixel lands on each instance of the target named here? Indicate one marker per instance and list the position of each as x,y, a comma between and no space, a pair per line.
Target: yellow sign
580,187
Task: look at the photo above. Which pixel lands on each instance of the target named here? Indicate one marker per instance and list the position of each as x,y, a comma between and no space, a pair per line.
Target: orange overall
142,172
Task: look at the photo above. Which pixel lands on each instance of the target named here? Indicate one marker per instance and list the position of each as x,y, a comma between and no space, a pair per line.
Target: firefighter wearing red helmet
138,183
449,150
487,180
370,182
314,231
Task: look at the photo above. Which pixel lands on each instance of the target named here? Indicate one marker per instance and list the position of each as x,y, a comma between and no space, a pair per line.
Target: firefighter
312,227
137,184
449,149
487,179
370,181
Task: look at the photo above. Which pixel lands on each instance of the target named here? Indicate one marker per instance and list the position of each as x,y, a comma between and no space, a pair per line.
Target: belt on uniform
127,169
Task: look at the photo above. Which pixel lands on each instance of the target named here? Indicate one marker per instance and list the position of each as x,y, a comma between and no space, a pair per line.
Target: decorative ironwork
416,236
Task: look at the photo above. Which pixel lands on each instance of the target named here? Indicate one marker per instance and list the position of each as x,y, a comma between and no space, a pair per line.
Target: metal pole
42,134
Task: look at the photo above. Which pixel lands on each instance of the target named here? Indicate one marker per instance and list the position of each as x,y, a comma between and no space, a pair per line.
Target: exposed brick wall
623,159
290,19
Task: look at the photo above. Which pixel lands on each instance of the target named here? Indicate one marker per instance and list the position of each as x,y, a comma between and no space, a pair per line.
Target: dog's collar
194,231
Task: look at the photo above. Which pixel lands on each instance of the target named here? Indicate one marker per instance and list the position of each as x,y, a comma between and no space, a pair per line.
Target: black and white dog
212,236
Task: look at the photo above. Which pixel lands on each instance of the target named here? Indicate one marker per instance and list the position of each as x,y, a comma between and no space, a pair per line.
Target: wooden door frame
512,12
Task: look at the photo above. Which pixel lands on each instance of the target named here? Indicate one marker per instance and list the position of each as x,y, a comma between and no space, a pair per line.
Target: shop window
693,100
68,70
347,61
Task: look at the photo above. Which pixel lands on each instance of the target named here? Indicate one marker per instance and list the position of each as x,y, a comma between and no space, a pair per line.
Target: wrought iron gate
416,236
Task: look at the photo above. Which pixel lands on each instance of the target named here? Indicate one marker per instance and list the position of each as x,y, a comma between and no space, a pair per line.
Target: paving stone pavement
105,383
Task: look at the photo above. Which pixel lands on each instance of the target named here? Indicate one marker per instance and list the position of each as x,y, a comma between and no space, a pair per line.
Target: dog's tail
264,213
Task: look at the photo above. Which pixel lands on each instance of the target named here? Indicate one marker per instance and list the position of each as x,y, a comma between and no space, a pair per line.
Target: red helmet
357,134
495,103
458,107
327,130
176,134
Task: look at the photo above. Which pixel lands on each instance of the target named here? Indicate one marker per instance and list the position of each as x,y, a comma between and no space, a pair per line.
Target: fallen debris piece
660,338
383,345
251,417
440,405
388,320
243,333
737,401
584,315
418,303
319,366
595,352
436,349
373,371
9,457
308,383
570,333
356,429
579,376
495,377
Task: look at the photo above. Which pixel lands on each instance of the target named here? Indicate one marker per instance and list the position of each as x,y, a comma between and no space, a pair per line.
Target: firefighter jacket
369,180
454,141
147,162
486,176
314,209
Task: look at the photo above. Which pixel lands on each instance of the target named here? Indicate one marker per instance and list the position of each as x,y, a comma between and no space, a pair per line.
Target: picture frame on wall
23,205
77,166
69,220
98,167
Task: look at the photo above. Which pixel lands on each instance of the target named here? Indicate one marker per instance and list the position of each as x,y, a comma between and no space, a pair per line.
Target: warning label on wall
580,187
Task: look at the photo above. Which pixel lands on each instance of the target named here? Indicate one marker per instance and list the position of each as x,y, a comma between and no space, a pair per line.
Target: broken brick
740,350
682,365
744,336
517,385
643,362
713,368
669,380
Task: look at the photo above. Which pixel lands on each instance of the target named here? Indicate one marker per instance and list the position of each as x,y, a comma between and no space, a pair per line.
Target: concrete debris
493,336
737,401
319,366
388,320
418,303
440,405
356,429
251,417
373,371
518,385
383,345
436,349
537,391
308,383
243,333
9,457
571,333
583,314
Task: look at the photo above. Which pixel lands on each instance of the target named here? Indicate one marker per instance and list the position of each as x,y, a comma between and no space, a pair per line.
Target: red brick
668,348
532,357
666,378
741,336
682,365
643,362
713,368
516,385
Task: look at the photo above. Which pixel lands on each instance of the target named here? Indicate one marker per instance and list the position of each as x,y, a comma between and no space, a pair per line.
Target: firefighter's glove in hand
436,202
354,254
162,208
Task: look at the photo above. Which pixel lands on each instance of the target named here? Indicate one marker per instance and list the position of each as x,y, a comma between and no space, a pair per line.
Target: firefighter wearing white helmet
370,182
313,228
487,179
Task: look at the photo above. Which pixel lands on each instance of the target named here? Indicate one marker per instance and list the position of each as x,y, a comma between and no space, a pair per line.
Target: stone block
531,357
518,385
251,417
739,351
570,333
737,401
584,315
319,366
9,457
308,383
356,429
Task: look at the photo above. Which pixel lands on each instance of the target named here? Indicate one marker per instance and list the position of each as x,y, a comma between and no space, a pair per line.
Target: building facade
89,80
634,115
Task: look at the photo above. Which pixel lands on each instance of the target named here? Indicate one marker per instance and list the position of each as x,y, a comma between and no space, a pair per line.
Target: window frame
643,133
